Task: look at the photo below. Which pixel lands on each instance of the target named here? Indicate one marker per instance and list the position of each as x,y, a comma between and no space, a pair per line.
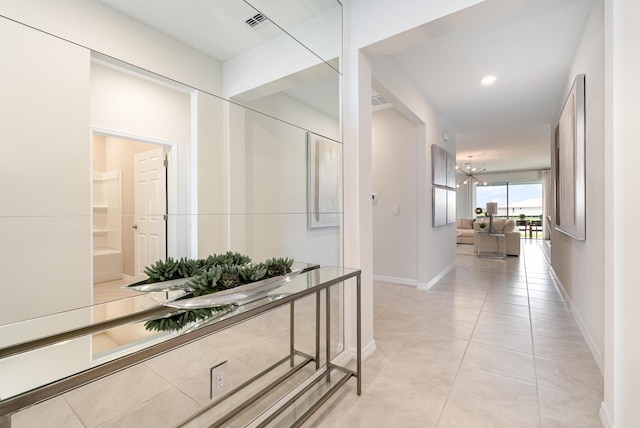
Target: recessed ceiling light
488,80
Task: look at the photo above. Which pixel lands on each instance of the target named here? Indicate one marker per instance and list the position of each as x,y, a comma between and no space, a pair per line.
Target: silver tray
234,295
164,286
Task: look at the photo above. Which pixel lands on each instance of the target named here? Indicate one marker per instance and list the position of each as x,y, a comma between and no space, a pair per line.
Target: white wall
256,67
362,27
622,294
579,264
131,105
394,147
45,188
268,193
94,25
47,80
436,246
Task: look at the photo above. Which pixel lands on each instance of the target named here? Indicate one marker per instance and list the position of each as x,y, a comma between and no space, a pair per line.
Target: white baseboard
595,352
428,285
394,280
605,419
343,359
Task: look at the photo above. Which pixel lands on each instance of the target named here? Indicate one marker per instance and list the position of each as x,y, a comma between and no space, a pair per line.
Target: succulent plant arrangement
210,275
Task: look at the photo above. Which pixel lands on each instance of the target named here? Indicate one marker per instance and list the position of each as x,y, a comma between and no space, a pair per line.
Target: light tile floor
492,344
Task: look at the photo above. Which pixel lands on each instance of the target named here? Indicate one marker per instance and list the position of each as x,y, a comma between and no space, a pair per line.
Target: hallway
492,344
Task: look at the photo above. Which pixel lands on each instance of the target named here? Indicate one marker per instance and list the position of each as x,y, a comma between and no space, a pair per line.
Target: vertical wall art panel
451,206
439,206
451,171
570,164
444,182
439,165
324,169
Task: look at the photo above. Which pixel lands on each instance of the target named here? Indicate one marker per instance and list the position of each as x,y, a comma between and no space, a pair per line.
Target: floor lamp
491,210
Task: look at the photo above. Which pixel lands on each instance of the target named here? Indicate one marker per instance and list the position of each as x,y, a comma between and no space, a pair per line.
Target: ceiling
528,44
217,27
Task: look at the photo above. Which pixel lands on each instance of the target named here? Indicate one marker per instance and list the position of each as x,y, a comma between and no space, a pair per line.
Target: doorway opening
130,207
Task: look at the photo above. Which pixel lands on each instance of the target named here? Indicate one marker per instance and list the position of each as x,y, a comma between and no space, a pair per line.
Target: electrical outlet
218,380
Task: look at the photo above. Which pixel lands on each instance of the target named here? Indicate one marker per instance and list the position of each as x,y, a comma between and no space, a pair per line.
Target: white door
150,208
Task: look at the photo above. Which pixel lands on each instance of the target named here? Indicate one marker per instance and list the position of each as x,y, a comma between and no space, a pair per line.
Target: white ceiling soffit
217,27
317,86
528,44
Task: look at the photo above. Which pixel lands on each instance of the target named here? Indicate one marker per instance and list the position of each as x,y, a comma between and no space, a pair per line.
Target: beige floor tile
167,409
389,343
549,295
448,327
508,298
437,347
509,290
388,403
515,365
413,368
115,395
569,408
54,413
557,315
465,415
509,398
503,338
454,313
510,322
558,350
506,308
560,330
573,375
183,363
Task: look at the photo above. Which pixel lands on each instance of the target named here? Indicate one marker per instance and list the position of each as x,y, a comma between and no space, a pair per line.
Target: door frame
173,186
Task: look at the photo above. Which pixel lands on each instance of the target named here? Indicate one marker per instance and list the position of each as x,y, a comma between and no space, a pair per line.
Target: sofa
512,236
466,233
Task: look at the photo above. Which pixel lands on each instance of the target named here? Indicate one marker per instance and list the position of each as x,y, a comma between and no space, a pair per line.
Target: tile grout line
446,401
533,346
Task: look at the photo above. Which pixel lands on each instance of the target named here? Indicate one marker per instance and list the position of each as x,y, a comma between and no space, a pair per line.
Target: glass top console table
313,373
491,245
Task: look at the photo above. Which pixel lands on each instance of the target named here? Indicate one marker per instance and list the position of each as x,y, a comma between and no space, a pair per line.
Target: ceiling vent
378,100
255,20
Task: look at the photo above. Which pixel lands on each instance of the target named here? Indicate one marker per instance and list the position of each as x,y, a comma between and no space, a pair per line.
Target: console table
327,377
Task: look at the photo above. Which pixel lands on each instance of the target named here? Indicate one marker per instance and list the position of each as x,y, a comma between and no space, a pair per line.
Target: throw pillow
467,223
498,224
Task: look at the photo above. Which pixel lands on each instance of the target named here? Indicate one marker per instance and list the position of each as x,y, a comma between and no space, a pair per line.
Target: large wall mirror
98,94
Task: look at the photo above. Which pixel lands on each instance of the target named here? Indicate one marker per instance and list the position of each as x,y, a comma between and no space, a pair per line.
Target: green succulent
210,275
230,277
278,266
177,321
189,267
252,273
229,258
162,270
206,282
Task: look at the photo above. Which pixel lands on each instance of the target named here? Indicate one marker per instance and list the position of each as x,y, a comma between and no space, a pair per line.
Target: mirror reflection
157,131
99,109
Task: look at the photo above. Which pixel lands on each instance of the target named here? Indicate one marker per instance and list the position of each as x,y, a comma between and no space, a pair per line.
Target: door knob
135,226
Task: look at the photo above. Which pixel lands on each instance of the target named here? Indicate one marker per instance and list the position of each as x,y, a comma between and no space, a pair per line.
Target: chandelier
469,174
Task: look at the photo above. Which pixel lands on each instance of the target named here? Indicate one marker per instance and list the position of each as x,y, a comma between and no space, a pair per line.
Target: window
513,198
